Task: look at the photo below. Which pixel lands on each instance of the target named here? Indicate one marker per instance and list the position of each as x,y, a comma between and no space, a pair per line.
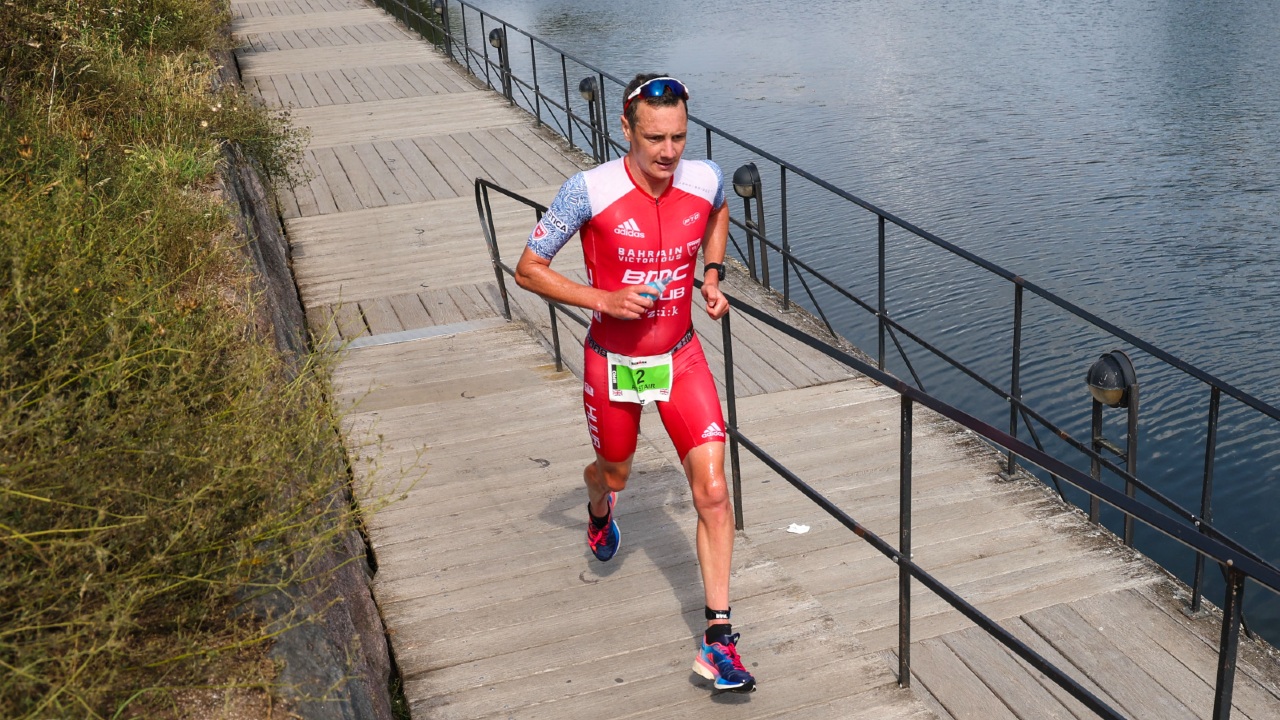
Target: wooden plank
325,202
321,323
335,178
406,178
349,321
1097,656
394,84
388,186
407,117
361,183
553,151
482,157
301,91
284,90
410,312
404,74
441,307
432,183
545,171
338,87
380,91
953,685
476,305
1182,662
1018,687
318,90
380,316
358,86
454,177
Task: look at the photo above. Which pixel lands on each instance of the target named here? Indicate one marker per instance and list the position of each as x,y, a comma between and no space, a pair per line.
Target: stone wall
332,646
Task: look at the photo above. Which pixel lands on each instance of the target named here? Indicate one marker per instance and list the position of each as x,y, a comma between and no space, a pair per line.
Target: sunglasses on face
657,87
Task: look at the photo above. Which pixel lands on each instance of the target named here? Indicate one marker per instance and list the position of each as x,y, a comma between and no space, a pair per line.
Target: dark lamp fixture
587,88
438,6
495,37
1110,379
745,180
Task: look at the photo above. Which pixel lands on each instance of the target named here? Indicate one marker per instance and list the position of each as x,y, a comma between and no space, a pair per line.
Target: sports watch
718,267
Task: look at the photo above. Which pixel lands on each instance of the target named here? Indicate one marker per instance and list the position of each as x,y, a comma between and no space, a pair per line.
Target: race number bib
639,379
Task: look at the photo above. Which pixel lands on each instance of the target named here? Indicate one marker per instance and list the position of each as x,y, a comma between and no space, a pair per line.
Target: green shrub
157,457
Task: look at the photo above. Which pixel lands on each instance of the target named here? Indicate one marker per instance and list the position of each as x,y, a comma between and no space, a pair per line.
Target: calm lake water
1124,154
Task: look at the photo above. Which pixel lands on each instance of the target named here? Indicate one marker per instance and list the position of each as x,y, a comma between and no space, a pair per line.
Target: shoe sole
701,667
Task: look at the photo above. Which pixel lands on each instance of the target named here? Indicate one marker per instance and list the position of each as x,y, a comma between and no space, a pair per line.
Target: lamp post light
1112,382
441,10
589,89
498,39
746,183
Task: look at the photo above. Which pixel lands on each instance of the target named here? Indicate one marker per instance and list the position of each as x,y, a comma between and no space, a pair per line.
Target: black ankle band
716,614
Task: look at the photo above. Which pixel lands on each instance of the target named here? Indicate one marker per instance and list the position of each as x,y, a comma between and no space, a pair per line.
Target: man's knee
705,467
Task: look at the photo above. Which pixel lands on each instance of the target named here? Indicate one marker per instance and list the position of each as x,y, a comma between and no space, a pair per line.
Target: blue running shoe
604,543
719,661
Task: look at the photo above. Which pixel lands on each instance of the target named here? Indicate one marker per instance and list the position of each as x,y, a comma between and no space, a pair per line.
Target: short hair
666,99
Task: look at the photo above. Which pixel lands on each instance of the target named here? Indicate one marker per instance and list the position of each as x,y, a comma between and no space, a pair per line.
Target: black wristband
718,267
716,614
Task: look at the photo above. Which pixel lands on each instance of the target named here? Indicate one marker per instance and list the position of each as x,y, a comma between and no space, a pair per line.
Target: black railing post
750,225
537,87
604,123
1131,460
491,239
442,9
880,304
484,47
1206,492
764,247
904,547
1015,376
1232,610
466,41
568,111
732,431
786,244
1095,467
555,337
589,89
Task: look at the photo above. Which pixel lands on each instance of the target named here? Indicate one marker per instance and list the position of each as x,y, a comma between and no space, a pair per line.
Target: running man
642,219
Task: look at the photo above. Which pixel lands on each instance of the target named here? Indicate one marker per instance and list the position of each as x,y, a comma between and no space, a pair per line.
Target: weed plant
158,458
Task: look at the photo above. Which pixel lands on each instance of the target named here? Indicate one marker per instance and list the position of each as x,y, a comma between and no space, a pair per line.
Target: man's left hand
717,303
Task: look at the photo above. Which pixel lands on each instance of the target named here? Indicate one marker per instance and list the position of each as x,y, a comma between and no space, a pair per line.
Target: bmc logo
644,277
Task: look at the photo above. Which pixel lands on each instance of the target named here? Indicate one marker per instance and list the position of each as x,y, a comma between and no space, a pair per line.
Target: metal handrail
1240,563
556,110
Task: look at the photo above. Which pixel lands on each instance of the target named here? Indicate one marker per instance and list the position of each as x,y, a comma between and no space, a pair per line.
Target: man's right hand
627,303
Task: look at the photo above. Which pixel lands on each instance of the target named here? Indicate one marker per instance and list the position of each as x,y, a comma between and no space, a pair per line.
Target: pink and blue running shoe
604,542
719,662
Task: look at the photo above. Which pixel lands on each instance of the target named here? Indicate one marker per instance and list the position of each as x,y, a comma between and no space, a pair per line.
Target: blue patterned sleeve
570,210
719,198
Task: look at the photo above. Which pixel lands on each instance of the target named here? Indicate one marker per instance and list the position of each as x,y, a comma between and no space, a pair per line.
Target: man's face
657,141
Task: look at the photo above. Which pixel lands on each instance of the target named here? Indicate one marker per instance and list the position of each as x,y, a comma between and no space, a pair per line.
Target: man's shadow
656,517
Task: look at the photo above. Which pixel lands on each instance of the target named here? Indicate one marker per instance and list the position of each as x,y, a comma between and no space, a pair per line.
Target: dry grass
157,457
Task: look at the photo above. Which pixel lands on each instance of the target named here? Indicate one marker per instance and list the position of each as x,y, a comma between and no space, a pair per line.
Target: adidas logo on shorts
630,228
713,431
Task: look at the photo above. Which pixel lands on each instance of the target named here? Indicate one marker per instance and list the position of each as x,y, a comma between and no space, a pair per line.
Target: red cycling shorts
692,416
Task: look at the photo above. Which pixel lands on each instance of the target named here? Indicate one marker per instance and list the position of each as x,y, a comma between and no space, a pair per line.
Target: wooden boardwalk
468,447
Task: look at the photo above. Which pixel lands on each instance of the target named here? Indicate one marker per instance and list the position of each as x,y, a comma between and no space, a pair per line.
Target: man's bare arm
714,241
534,273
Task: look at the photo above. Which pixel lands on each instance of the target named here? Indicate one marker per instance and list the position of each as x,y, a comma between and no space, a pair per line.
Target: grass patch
158,458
